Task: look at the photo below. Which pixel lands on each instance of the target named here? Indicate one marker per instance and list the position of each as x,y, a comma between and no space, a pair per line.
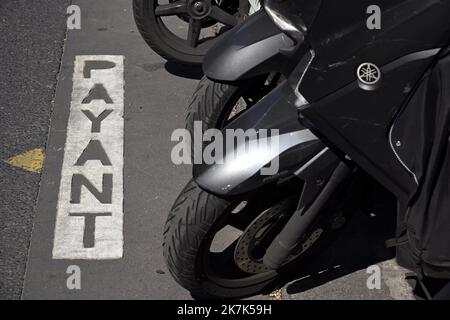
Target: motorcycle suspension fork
244,8
322,175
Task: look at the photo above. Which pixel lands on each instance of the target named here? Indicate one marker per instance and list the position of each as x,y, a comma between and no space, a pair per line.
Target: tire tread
190,219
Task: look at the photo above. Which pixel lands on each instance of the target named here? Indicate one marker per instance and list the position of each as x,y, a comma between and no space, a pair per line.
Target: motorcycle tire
197,217
164,42
215,104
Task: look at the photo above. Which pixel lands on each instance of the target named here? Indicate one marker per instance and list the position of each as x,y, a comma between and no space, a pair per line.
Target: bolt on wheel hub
199,9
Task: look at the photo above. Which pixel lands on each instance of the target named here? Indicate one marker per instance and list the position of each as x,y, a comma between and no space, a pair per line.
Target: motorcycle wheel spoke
248,101
240,220
226,256
194,32
222,16
171,9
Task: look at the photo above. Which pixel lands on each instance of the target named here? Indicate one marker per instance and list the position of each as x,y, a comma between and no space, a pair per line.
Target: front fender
241,168
251,48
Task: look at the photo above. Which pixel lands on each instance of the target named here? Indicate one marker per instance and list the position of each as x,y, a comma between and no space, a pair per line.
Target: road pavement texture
118,102
32,38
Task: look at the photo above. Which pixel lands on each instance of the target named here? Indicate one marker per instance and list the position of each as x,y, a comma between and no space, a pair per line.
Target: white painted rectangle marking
72,239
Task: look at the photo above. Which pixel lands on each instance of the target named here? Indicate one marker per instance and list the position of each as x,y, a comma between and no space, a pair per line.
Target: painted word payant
90,203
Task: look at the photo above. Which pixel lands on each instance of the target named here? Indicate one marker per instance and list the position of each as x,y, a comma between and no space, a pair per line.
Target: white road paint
394,277
69,230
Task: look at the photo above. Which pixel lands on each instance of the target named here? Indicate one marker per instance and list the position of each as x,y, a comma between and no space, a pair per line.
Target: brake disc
243,256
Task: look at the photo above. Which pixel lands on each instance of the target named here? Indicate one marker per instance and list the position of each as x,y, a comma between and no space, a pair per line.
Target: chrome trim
405,59
400,159
306,165
301,99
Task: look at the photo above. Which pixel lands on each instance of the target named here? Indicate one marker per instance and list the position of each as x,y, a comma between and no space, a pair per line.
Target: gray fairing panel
251,48
241,169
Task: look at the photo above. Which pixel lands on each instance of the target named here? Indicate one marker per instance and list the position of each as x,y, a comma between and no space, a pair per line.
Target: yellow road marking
32,160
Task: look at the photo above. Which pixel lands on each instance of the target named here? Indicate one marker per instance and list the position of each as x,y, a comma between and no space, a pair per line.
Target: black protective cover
423,127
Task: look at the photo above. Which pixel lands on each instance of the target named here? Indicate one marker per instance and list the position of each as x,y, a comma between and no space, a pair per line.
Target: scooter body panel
241,171
249,49
358,120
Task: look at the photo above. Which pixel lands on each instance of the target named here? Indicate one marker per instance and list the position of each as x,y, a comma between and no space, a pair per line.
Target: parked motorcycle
239,71
206,20
357,98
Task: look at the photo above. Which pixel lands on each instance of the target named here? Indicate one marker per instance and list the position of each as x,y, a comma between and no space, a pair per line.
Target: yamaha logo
369,76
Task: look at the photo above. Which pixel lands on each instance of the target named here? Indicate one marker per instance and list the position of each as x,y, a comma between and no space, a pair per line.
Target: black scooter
240,71
349,103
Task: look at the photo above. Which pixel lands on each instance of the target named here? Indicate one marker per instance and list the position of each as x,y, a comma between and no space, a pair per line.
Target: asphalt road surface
145,98
32,38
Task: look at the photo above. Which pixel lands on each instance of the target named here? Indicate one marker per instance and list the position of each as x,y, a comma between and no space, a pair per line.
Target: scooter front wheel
214,247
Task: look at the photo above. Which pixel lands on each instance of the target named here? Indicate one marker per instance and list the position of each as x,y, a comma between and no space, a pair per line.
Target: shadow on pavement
184,71
359,245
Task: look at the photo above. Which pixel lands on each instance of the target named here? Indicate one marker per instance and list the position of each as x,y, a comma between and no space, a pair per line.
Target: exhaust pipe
288,239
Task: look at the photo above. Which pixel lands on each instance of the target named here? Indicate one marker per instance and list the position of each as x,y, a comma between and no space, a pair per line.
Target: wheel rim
198,14
244,98
251,246
222,268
